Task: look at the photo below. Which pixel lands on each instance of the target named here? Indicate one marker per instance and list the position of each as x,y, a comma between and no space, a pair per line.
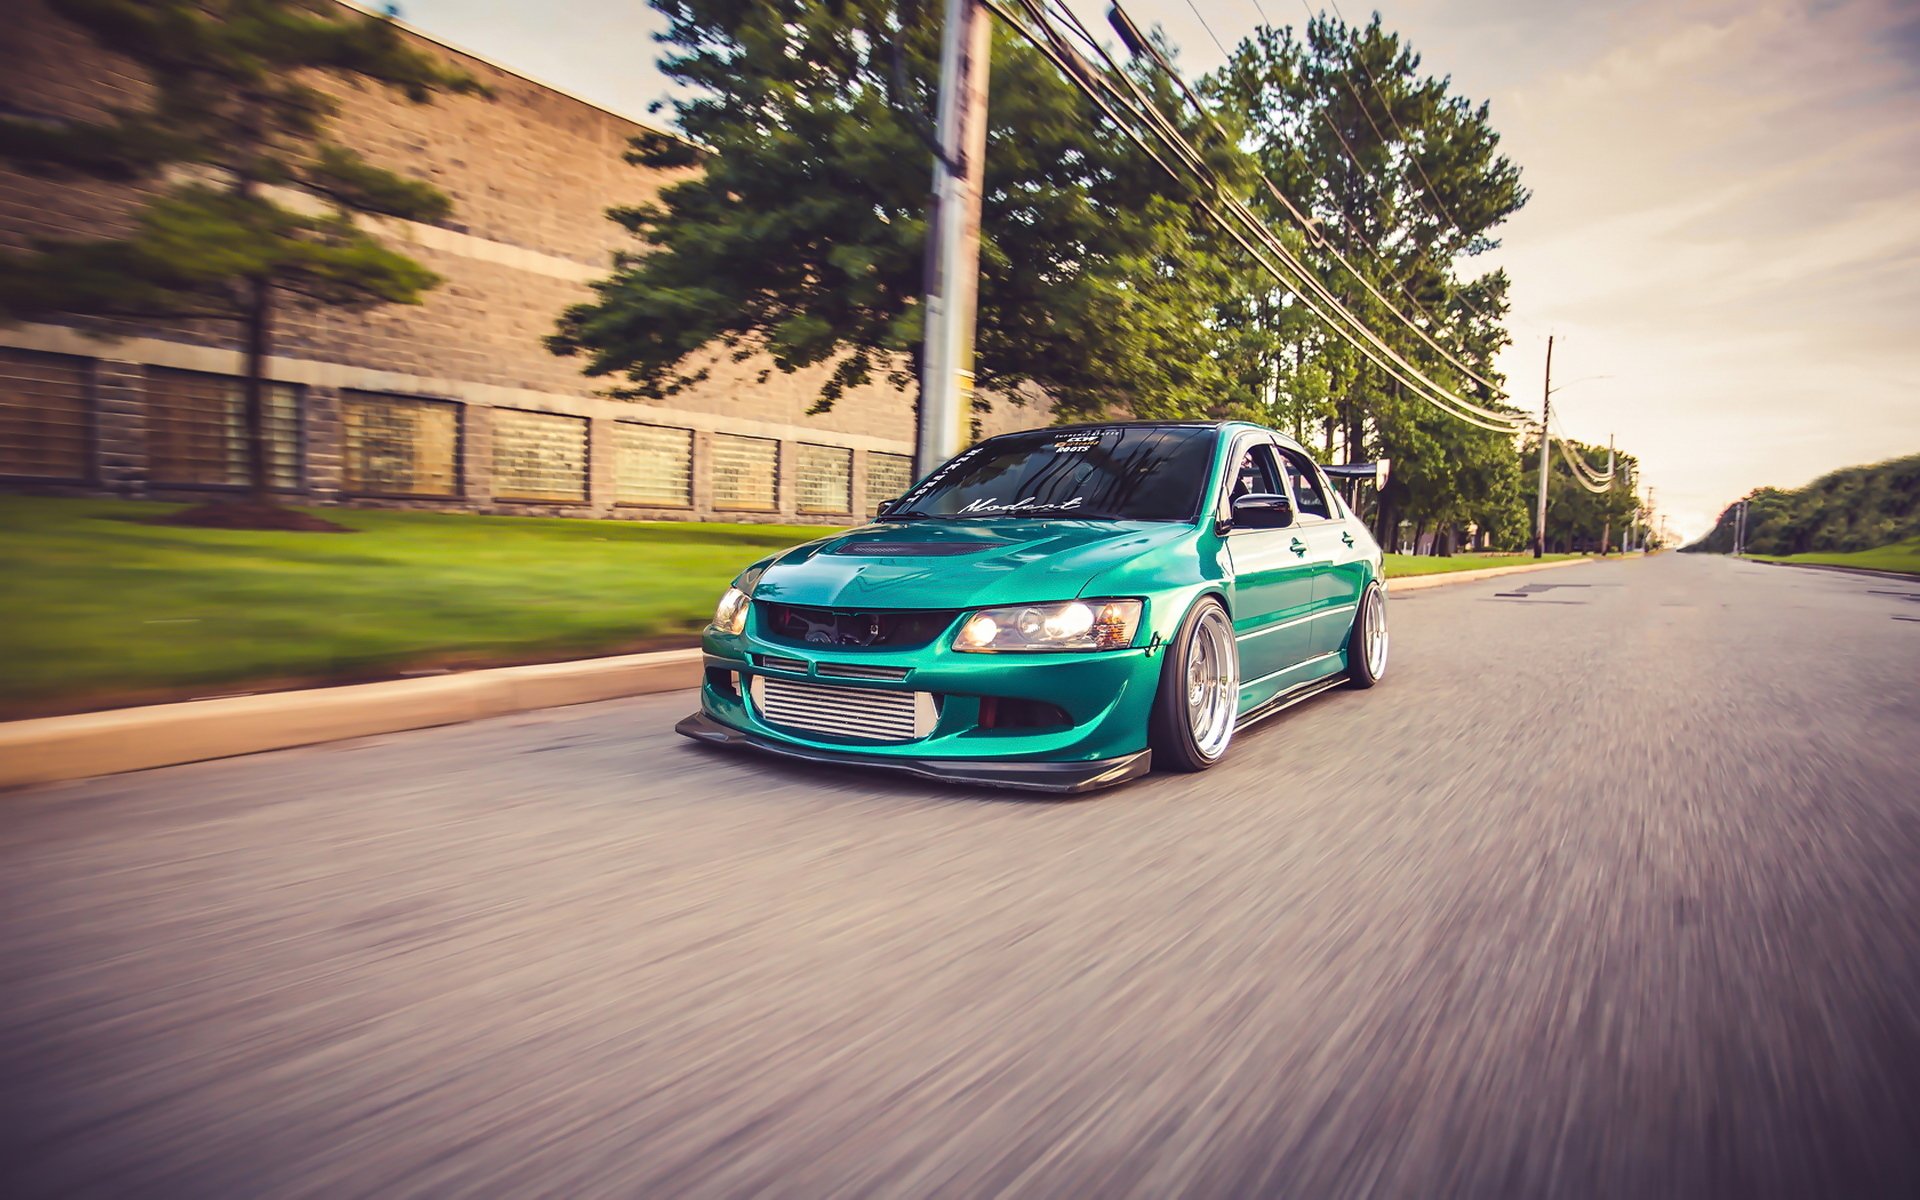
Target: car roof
1220,425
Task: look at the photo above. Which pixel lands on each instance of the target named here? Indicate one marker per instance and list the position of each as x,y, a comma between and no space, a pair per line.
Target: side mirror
1262,510
885,506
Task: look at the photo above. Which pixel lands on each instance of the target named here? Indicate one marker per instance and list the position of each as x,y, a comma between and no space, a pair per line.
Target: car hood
959,564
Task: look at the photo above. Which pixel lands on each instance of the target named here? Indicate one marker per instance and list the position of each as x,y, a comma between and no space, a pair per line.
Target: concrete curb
51,749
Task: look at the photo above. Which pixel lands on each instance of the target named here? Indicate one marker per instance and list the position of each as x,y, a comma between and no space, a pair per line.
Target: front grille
911,549
779,663
862,671
893,629
875,714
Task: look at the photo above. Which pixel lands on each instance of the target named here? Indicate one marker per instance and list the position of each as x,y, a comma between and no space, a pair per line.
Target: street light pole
1546,411
953,241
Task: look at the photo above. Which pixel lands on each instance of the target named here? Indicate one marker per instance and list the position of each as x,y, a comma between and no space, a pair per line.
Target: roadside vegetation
1867,508
1902,558
104,608
1400,565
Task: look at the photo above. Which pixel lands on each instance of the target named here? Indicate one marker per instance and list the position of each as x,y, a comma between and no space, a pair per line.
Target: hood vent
911,549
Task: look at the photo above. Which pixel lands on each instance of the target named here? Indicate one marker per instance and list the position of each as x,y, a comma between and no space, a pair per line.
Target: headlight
731,616
1070,625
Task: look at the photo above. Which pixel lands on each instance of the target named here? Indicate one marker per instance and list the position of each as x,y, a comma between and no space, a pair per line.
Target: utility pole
953,242
1546,412
1653,517
1606,528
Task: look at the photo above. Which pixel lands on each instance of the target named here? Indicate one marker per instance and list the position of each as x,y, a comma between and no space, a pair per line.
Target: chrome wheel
1376,632
1213,683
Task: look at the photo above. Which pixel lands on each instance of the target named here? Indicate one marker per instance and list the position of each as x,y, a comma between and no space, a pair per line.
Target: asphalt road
1612,889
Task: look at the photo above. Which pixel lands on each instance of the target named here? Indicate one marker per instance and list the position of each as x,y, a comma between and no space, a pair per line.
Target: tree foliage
1402,181
248,202
803,235
1856,508
1577,519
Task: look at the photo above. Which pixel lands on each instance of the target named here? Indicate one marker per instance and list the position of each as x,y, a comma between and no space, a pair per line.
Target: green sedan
1059,609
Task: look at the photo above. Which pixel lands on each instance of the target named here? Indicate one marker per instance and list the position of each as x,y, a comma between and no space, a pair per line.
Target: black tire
1361,671
1169,732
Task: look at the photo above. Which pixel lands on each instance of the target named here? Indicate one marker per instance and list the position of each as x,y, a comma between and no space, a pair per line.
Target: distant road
1611,889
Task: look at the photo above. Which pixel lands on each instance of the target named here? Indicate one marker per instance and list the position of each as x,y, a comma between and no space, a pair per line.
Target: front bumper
1064,777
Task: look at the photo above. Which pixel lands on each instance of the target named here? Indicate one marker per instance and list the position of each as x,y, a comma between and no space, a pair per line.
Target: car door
1274,574
1335,545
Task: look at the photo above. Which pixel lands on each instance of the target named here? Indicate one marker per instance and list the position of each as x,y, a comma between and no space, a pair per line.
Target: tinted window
1305,481
1124,472
1253,475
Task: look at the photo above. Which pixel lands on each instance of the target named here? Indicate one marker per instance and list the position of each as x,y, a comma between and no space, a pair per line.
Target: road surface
1611,889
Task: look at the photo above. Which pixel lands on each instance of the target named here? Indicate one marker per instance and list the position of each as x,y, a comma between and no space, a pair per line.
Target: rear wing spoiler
1369,472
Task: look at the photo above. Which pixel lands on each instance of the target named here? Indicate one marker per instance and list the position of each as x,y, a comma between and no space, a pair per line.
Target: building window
197,430
539,456
825,479
652,465
888,477
399,446
746,472
46,426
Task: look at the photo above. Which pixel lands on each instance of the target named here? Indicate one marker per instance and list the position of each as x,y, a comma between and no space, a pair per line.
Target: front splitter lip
1057,777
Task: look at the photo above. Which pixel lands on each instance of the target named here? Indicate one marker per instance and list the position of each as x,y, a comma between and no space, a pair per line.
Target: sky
1724,231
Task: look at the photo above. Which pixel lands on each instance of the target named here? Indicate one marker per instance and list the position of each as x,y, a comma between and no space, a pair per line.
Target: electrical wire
1583,472
1049,40
1306,223
1578,478
1380,93
1171,136
1203,24
1052,46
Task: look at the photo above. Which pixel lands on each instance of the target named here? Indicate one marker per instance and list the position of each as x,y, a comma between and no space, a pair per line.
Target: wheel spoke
1212,684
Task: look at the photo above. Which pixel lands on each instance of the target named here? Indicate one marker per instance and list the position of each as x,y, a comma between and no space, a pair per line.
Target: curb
1413,583
50,749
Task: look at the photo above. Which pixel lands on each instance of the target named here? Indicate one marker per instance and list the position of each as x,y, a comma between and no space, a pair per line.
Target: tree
1854,508
803,235
1578,519
1403,181
249,205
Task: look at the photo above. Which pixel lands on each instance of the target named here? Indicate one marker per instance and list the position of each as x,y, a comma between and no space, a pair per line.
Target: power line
1208,28
1306,222
1573,465
1388,109
1424,388
1047,39
1166,132
1443,217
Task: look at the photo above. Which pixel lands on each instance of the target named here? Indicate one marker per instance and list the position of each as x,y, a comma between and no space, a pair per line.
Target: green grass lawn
1901,557
1407,564
99,607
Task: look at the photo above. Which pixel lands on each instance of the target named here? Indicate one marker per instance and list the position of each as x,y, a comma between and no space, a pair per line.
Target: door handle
1298,547
1346,537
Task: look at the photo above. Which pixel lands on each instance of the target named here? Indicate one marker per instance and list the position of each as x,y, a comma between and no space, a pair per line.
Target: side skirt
1288,699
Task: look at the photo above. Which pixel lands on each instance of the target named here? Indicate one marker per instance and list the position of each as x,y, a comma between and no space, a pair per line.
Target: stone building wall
531,172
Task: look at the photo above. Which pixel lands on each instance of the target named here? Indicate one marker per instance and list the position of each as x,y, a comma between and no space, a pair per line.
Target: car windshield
1119,472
